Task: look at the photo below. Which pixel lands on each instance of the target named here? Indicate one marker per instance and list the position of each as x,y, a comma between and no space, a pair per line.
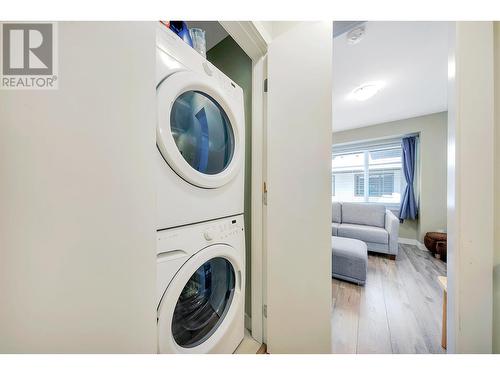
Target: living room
389,187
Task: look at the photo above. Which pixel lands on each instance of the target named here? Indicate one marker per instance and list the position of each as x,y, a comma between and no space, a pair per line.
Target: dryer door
201,302
198,133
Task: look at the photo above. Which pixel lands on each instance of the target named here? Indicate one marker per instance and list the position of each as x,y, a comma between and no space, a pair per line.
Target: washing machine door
201,302
198,133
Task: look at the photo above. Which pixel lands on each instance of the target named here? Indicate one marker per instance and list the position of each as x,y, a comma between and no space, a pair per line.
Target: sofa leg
392,257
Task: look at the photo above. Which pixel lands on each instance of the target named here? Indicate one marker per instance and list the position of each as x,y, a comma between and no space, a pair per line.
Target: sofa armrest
392,227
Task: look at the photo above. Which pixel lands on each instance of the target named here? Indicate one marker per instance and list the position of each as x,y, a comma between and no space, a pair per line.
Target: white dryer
200,287
200,137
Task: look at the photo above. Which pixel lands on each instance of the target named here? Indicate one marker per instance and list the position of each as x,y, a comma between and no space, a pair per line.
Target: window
381,184
381,166
359,185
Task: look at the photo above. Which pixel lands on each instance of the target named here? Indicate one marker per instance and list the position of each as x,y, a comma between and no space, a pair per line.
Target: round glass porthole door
203,302
202,132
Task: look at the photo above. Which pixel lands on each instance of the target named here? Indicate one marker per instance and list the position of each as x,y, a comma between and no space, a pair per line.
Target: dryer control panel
182,54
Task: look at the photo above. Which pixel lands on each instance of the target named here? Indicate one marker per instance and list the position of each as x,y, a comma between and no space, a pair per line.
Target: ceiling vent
355,35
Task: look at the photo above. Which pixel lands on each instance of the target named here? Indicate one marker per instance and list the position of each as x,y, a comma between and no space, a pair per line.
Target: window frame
357,190
365,173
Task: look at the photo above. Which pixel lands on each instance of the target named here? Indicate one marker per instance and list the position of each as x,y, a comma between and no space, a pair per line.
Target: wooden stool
443,281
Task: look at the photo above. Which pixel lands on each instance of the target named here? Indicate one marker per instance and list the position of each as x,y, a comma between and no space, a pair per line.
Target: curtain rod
375,141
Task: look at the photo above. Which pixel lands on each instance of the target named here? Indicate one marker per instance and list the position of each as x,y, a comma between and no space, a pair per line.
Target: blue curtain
408,208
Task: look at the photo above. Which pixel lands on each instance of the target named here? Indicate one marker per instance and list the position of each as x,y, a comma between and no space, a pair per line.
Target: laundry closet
201,272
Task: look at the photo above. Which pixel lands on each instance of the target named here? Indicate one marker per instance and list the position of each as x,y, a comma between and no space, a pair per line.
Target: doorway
389,88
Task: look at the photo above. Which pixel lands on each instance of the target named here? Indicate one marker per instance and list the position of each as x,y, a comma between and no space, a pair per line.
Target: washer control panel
187,240
223,229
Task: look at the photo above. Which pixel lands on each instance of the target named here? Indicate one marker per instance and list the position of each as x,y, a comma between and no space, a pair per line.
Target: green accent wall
235,63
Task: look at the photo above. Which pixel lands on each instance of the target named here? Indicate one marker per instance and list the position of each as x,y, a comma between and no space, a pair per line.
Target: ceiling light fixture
365,91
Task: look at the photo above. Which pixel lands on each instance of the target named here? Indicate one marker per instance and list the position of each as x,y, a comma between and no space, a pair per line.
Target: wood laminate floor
399,310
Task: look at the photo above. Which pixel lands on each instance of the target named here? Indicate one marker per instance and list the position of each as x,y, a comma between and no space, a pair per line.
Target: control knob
208,235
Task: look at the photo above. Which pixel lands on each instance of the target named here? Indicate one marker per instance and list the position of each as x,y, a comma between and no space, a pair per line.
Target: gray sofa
368,222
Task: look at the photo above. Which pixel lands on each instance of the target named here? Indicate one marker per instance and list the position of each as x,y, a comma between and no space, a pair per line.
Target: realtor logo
28,56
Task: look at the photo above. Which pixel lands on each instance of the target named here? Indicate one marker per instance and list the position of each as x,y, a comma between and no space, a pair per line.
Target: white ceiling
409,57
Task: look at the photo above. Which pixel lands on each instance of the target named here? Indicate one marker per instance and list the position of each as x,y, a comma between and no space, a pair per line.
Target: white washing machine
200,287
200,137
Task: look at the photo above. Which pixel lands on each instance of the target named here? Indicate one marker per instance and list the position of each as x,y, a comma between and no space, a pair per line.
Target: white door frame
254,41
470,204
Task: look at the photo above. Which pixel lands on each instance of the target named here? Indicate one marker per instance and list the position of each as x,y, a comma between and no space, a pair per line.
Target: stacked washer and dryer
200,171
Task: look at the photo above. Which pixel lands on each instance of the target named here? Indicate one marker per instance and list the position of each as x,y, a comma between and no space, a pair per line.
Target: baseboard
408,241
411,241
248,322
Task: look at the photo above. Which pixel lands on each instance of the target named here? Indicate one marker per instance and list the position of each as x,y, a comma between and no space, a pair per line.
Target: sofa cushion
336,212
335,228
364,214
349,248
364,233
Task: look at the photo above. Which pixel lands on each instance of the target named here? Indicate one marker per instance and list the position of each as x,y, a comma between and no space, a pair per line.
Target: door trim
470,221
252,39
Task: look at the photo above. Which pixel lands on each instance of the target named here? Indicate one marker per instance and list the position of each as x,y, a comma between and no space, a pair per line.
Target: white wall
77,198
470,190
299,190
433,154
496,266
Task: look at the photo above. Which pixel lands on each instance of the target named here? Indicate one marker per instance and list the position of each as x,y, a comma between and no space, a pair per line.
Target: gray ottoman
349,259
